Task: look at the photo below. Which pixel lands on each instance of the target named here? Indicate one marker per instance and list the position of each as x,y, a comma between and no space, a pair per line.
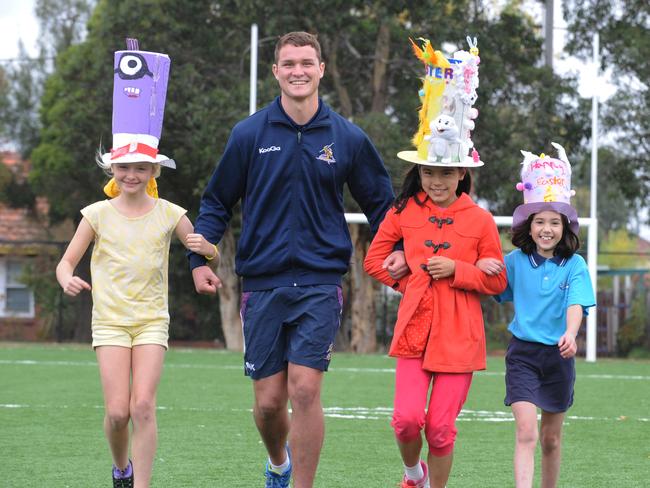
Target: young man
288,163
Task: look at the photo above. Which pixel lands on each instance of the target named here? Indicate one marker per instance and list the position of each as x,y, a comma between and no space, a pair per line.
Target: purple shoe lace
123,478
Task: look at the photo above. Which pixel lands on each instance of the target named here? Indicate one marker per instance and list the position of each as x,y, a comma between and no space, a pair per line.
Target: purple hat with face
546,183
139,92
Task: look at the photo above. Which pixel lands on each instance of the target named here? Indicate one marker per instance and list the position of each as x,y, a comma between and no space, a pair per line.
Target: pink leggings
448,394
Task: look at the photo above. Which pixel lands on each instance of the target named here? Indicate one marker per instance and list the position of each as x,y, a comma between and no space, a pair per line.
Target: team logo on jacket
326,154
263,150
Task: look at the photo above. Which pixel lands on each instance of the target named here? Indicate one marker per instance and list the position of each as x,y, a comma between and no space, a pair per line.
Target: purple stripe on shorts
242,307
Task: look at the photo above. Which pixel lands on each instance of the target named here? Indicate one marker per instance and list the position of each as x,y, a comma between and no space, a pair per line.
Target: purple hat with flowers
546,184
139,93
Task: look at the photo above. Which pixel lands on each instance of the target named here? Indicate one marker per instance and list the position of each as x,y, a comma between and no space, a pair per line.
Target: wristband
216,253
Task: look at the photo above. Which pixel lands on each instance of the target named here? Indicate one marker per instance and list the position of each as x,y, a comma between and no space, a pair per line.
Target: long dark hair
568,245
412,185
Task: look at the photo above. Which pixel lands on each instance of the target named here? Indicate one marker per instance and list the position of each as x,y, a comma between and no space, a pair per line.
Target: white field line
355,413
30,362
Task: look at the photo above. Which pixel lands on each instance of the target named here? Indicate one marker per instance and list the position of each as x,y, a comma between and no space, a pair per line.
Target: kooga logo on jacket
263,150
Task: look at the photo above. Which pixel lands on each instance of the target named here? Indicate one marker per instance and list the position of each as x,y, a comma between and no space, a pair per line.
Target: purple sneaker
123,478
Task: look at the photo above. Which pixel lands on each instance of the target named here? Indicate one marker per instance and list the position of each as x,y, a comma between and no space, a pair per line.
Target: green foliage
613,245
4,105
639,353
633,334
62,24
624,30
14,192
618,242
497,336
19,107
5,180
521,104
52,310
618,190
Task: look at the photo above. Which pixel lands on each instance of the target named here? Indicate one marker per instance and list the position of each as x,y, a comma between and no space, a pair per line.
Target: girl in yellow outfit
130,320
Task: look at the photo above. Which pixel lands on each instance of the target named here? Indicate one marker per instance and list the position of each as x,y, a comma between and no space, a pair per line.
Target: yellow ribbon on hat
112,190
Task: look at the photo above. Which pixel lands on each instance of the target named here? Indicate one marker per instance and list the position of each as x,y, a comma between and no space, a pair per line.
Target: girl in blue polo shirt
550,288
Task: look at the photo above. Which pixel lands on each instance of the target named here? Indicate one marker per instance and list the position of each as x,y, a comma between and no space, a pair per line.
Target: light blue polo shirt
541,290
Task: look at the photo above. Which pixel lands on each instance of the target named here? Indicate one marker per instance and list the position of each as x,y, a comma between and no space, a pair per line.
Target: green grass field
51,417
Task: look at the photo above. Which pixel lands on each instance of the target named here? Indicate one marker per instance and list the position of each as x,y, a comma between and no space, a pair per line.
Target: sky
17,21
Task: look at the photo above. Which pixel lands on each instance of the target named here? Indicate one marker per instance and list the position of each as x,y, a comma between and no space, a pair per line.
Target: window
16,299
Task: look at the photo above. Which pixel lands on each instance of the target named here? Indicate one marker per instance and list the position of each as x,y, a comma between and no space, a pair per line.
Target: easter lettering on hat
546,185
447,114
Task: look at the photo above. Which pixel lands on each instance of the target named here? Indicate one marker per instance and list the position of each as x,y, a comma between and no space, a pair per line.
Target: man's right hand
205,281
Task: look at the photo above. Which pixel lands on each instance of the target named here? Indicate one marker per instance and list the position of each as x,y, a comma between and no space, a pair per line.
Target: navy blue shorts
289,325
536,373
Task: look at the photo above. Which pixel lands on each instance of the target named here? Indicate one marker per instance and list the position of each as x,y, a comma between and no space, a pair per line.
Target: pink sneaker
421,483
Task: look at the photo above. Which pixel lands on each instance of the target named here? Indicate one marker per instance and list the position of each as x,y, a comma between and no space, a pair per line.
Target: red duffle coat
456,342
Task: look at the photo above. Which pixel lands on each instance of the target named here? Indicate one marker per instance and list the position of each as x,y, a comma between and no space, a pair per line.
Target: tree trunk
363,287
331,48
229,294
380,66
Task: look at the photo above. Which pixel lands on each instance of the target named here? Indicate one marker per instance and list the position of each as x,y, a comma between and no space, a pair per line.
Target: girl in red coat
439,339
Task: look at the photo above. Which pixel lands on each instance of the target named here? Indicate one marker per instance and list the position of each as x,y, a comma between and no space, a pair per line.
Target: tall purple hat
139,92
546,184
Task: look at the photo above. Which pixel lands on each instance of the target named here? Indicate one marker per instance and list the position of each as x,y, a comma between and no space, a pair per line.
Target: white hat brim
160,159
412,157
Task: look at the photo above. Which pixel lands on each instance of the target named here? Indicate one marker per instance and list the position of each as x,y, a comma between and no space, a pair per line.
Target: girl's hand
490,266
441,267
74,286
198,244
396,265
567,345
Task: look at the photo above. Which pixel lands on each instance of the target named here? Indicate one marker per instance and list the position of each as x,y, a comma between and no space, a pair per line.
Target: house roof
20,224
27,226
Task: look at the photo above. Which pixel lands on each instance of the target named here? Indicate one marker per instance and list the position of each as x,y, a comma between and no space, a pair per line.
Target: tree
371,77
624,30
4,106
20,112
205,98
615,245
62,24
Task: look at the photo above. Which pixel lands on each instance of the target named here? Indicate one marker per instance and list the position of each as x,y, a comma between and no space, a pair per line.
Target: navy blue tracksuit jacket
290,180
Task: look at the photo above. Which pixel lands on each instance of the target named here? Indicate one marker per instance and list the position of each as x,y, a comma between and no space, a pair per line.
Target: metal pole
592,247
548,33
252,105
